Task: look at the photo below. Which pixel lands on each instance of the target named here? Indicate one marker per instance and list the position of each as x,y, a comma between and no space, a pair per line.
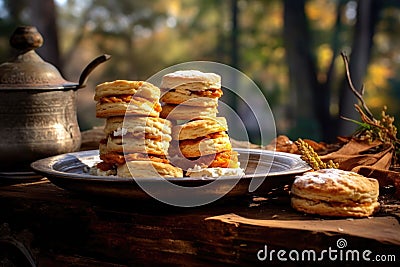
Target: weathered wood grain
63,229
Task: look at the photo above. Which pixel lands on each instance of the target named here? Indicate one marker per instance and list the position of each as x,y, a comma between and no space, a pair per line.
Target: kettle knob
26,38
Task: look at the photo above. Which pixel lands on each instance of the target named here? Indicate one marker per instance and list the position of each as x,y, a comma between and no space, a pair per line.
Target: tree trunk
302,74
235,34
329,121
367,16
234,51
44,17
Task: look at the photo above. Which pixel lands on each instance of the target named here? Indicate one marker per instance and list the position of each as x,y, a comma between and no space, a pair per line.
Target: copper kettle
37,105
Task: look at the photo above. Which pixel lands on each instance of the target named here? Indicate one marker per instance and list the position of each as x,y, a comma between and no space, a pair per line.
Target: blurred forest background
290,48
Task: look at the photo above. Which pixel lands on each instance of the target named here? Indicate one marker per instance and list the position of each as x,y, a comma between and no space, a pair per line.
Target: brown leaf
282,143
385,177
354,147
357,153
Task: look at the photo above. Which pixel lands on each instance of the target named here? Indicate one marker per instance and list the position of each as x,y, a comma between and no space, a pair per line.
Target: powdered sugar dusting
192,74
181,77
325,175
198,171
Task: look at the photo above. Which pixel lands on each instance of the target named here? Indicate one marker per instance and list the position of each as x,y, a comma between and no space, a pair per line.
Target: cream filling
120,132
198,171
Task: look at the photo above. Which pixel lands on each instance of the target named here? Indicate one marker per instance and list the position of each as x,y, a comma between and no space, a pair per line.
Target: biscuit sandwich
137,134
203,143
122,97
335,192
187,94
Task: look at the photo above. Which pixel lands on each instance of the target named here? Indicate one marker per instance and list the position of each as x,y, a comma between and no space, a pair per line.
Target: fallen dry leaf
385,177
282,143
356,154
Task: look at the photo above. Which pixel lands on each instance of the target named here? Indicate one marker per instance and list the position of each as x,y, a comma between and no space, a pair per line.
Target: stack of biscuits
199,137
188,94
136,138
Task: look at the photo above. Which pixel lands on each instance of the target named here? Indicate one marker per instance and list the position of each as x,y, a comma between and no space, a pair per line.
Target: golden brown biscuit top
198,127
124,87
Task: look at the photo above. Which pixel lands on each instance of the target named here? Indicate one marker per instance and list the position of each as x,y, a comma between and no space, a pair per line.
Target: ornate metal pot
37,105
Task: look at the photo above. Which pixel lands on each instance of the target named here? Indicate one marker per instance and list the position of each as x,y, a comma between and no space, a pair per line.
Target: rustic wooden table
43,225
60,228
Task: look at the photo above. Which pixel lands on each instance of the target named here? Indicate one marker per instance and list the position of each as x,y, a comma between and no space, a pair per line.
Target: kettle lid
27,70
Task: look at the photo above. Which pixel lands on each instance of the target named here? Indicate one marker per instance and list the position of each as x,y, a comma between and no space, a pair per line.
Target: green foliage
146,36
